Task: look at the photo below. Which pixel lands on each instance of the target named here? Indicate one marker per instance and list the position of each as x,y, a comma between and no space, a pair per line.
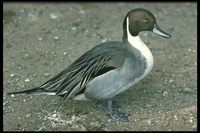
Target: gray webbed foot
114,114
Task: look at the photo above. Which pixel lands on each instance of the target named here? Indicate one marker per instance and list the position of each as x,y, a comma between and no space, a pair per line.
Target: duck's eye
146,20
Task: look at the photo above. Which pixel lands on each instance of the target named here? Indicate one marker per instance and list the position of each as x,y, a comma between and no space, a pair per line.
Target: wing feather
85,68
73,80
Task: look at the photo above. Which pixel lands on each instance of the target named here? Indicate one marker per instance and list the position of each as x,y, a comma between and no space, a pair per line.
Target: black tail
36,90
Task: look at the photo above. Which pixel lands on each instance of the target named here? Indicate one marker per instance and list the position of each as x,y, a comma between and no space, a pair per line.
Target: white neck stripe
137,43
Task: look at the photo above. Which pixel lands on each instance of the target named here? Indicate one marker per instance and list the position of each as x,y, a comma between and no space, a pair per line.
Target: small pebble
149,122
27,80
188,90
56,37
12,75
28,115
53,16
46,74
165,93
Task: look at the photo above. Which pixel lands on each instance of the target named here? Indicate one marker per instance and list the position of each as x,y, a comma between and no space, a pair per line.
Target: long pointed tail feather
37,91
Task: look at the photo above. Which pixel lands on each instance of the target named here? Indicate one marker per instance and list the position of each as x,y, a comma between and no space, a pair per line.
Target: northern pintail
109,68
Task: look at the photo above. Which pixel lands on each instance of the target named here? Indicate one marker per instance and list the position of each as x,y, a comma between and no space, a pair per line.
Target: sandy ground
40,40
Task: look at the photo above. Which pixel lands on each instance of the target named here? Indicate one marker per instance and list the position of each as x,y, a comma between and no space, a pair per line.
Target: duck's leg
114,114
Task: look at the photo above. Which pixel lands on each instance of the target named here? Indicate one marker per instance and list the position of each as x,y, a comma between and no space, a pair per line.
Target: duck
109,68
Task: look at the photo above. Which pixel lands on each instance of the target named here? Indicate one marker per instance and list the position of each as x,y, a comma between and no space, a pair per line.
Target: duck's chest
139,62
141,53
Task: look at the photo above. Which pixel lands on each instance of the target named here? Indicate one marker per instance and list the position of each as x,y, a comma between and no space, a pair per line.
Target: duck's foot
117,115
114,114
